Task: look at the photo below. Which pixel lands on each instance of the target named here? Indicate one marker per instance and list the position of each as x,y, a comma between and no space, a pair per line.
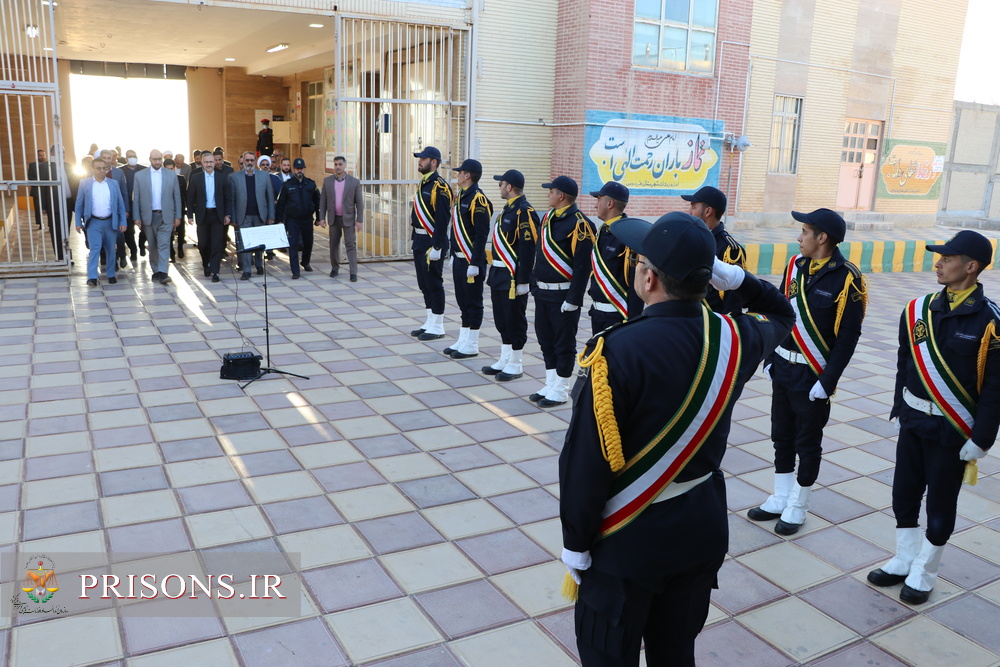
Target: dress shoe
333,274
164,279
489,370
549,403
155,276
306,267
92,282
785,528
122,262
354,277
245,276
112,280
295,277
883,579
507,377
913,596
208,272
429,336
260,270
180,251
455,354
416,333
215,277
757,514
534,398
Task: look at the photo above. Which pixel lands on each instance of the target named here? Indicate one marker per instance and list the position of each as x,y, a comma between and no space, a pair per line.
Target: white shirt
209,190
156,183
100,205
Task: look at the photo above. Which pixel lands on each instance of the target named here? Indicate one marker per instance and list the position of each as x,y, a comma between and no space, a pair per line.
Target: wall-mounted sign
651,155
911,170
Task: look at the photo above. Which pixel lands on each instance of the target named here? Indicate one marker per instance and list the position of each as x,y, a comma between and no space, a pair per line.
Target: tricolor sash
462,238
649,472
940,383
504,248
805,334
613,290
555,255
423,212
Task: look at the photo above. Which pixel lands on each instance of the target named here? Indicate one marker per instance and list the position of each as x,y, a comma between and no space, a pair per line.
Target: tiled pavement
420,495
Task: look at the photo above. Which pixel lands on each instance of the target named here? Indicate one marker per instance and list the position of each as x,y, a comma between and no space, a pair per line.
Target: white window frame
786,136
663,23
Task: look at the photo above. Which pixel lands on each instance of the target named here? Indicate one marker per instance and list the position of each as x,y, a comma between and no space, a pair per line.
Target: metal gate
34,179
398,87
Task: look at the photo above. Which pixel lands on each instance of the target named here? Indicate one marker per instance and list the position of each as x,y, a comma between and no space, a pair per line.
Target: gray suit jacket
353,204
170,197
236,196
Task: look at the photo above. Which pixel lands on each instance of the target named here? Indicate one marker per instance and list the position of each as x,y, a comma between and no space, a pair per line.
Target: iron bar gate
398,88
34,179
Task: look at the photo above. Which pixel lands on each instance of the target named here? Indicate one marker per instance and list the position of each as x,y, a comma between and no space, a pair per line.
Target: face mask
132,161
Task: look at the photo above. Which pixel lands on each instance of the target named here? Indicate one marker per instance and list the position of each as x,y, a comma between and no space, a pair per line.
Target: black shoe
489,370
334,273
416,333
208,272
447,351
461,355
913,596
757,514
548,403
142,252
354,277
172,258
92,282
429,336
164,279
534,398
122,262
785,528
295,277
180,251
215,277
112,281
155,277
245,276
260,270
507,377
306,267
883,579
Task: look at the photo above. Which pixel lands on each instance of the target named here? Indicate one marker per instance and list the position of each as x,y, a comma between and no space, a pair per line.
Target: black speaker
240,366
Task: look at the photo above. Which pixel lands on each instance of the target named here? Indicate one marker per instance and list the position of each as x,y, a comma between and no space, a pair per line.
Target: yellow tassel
570,589
970,477
604,407
512,294
470,280
841,300
984,346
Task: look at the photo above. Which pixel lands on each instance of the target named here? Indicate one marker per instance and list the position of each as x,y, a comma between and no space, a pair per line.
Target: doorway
858,164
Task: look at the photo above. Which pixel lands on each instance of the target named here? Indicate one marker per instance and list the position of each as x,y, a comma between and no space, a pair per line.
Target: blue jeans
101,234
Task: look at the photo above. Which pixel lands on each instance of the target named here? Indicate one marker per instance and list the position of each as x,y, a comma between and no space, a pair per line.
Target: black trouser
614,615
211,239
601,320
127,238
36,206
797,429
299,232
56,225
556,331
142,237
927,458
510,317
179,235
430,277
469,295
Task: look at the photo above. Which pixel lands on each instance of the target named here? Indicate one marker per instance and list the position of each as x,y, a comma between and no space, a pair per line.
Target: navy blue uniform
928,445
475,212
731,252
298,206
437,198
796,422
615,255
518,223
652,579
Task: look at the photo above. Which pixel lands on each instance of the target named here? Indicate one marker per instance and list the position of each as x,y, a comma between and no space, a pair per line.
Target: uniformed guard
470,226
265,138
947,407
611,287
514,237
561,275
429,219
642,498
709,205
297,206
829,295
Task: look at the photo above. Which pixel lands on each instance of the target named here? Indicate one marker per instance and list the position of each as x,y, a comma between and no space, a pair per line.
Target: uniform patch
793,289
965,336
919,332
758,317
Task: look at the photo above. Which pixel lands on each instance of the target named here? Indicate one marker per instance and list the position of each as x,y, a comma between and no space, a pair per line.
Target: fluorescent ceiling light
48,2
230,60
47,48
315,25
277,47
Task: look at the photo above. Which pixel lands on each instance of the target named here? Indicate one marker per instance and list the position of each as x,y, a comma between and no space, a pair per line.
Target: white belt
555,286
497,263
919,404
605,307
790,357
675,489
420,230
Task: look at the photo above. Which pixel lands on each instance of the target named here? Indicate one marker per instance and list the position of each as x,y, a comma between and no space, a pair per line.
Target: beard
424,169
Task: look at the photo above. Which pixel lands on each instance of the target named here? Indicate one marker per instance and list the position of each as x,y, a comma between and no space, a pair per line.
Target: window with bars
786,126
675,35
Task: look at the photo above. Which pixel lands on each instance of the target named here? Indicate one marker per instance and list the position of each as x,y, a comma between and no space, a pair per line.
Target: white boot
550,375
775,503
794,514
435,328
558,394
463,333
469,347
501,363
923,574
907,546
513,369
423,327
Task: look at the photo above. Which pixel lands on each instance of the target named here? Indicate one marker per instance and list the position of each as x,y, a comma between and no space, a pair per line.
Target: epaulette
990,341
735,253
582,231
859,282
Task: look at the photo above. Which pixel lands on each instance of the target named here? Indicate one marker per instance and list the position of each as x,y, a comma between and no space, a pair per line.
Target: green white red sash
462,238
555,255
613,290
423,212
504,248
940,383
805,333
649,472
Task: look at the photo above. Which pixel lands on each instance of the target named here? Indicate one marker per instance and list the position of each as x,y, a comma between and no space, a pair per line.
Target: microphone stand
267,333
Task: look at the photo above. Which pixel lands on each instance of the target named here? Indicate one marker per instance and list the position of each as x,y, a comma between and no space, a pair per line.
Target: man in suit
131,168
156,203
118,176
249,203
53,170
207,198
100,212
342,206
34,174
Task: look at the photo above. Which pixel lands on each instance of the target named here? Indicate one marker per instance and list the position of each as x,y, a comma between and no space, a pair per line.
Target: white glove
970,452
898,426
523,289
567,307
434,254
472,272
726,276
817,392
767,372
576,562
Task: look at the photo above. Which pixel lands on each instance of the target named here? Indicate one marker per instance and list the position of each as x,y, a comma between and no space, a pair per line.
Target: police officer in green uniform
829,295
709,205
611,286
947,407
429,219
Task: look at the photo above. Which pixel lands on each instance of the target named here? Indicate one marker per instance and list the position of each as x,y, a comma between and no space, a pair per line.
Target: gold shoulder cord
842,298
971,475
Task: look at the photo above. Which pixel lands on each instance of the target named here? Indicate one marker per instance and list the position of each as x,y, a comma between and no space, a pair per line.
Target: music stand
267,237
